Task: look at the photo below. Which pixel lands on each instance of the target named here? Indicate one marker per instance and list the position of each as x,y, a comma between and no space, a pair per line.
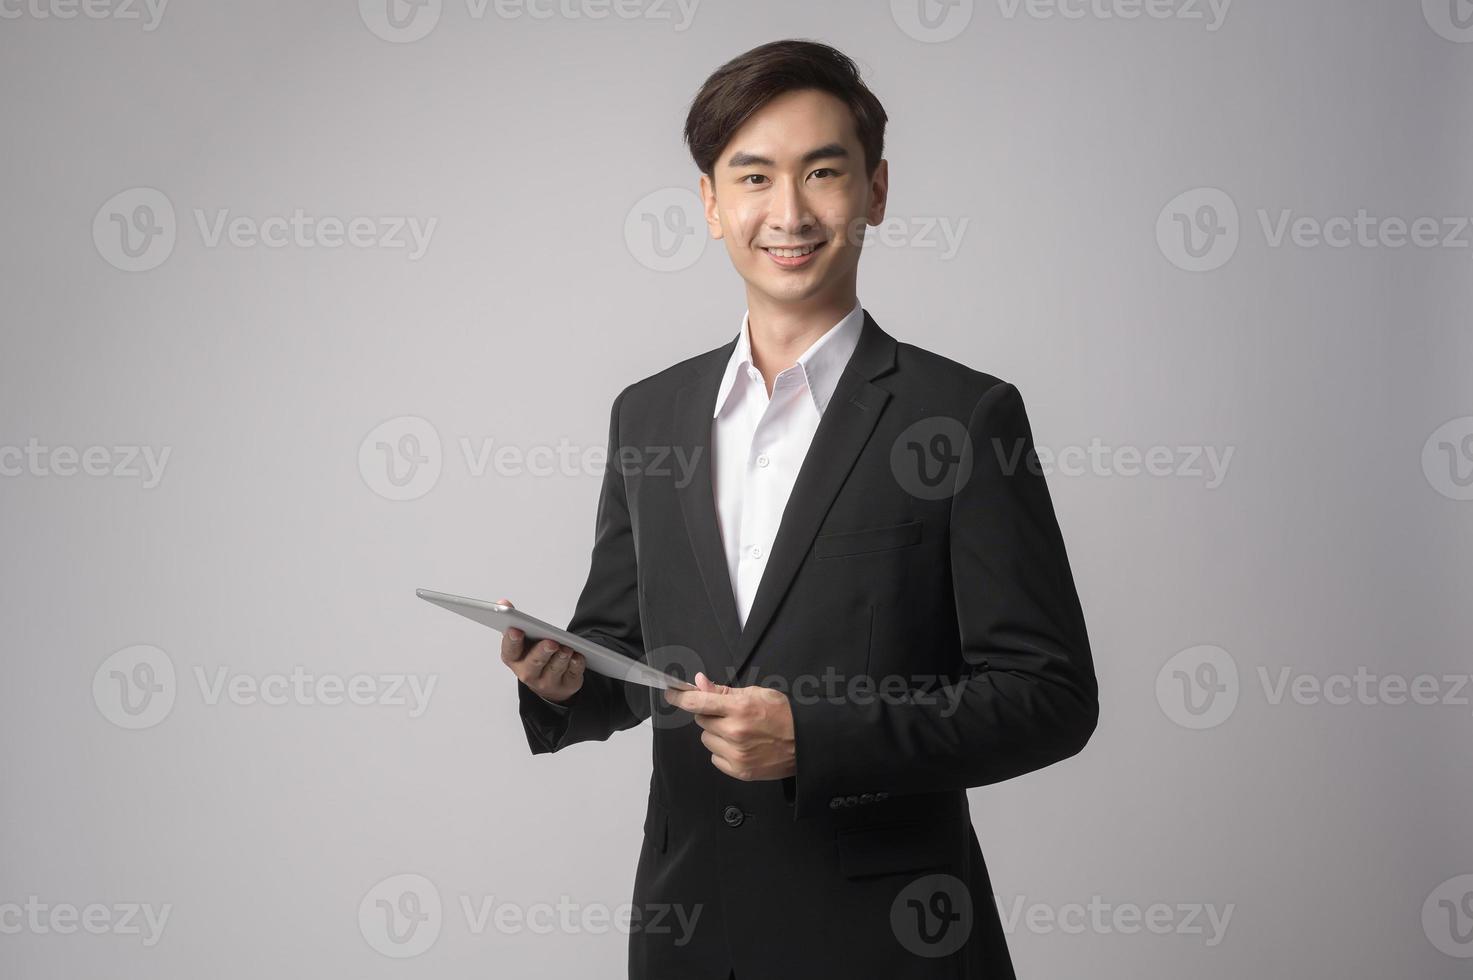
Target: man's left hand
749,730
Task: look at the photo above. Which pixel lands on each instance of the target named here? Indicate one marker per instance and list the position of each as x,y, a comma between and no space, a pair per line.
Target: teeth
792,253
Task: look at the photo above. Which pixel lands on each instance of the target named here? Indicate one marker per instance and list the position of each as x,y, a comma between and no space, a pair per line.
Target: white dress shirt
759,442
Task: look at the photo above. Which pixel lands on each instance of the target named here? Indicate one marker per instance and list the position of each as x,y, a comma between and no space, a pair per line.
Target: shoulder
656,392
946,383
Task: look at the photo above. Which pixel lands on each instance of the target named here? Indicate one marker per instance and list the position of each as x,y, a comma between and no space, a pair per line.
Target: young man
863,573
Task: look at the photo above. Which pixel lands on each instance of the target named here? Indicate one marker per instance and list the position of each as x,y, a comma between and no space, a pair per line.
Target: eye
747,177
821,170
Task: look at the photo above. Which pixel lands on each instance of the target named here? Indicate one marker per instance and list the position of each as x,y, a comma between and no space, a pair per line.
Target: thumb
705,683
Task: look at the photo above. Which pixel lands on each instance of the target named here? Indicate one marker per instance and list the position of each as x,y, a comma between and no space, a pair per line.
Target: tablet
600,659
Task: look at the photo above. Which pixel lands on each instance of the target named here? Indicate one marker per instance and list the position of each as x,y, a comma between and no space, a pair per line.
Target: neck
781,332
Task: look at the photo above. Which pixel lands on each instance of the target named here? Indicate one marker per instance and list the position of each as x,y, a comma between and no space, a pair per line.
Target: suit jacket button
867,798
733,815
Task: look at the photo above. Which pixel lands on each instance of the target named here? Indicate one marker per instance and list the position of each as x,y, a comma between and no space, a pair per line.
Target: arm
1026,696
607,613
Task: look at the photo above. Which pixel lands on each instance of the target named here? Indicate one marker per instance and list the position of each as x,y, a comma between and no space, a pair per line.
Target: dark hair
749,81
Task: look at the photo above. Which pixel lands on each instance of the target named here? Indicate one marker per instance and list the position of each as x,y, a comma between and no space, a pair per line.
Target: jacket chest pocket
836,544
890,849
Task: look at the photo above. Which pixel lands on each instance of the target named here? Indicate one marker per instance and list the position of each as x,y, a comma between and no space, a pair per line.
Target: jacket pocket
890,849
835,544
657,825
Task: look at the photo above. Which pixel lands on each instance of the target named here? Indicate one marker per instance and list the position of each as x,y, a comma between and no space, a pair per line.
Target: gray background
1333,542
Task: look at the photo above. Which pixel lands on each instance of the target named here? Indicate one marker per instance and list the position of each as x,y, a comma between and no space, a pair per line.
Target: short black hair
749,81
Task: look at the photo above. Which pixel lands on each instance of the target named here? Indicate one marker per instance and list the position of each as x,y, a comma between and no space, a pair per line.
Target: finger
532,665
756,774
721,725
545,658
556,667
513,642
514,646
561,686
705,683
717,744
699,702
725,766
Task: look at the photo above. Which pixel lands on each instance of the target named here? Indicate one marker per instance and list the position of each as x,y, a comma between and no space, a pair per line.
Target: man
863,574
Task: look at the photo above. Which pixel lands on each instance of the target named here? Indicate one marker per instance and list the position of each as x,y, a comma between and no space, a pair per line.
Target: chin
793,292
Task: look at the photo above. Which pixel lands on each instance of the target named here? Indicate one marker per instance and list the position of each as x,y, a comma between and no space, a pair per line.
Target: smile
792,258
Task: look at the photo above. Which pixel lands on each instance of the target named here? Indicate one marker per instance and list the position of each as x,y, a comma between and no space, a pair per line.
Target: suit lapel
842,432
694,404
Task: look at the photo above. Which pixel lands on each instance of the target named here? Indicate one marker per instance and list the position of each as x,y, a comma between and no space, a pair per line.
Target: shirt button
733,815
756,551
763,460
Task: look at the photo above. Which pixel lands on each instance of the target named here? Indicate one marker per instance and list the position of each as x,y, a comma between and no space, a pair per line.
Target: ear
879,193
708,201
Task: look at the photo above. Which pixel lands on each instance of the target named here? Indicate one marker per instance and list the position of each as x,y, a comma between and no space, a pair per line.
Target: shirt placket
761,512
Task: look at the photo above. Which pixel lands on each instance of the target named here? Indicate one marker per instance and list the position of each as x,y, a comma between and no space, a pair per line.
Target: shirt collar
821,364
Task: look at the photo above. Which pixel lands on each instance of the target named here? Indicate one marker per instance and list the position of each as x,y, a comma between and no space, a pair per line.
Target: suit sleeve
1025,694
607,613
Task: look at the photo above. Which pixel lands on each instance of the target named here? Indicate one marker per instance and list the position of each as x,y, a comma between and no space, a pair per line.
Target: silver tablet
600,659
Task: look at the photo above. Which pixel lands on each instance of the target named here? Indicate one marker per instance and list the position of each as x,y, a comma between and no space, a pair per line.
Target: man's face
790,198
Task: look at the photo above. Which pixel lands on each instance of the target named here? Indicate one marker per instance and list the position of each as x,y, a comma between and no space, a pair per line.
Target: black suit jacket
920,611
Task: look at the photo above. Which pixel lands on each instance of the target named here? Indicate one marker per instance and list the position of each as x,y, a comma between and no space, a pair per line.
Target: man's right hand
553,672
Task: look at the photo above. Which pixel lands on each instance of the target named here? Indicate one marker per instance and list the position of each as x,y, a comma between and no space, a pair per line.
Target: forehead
791,125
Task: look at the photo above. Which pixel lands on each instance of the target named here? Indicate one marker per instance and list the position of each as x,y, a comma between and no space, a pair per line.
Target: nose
789,215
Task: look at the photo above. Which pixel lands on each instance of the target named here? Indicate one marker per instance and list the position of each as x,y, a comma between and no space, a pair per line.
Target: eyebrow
829,151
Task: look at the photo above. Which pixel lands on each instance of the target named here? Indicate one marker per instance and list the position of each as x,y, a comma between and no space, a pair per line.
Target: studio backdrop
306,306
